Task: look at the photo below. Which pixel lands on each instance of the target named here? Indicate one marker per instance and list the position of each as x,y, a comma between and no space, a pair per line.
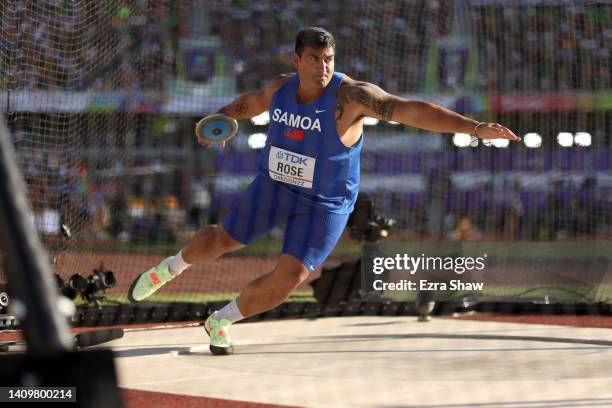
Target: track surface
378,361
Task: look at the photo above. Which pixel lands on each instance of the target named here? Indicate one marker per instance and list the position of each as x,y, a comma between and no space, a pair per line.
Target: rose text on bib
291,168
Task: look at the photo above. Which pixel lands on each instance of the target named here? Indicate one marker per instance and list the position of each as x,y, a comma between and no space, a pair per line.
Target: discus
217,128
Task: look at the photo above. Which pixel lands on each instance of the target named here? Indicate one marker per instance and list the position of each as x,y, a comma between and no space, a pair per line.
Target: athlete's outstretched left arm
377,103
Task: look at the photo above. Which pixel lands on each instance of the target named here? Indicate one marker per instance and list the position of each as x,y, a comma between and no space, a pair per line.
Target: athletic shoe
218,331
149,282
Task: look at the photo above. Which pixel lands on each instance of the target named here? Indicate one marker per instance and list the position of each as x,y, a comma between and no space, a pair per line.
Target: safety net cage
101,98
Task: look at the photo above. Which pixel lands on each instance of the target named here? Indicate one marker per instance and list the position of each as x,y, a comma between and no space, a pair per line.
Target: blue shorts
310,235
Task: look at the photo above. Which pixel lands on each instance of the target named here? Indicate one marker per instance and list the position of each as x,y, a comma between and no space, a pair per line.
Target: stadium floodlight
262,119
565,139
257,140
370,121
462,139
501,143
532,140
582,139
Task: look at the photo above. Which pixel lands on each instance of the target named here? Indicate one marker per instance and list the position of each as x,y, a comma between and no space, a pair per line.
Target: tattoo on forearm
366,97
241,108
386,109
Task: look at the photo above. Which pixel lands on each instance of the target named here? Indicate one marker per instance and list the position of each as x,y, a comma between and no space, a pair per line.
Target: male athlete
308,176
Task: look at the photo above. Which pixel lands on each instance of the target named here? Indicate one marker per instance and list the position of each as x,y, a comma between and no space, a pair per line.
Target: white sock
177,264
230,312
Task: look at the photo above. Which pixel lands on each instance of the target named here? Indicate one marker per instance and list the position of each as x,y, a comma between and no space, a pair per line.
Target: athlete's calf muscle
209,243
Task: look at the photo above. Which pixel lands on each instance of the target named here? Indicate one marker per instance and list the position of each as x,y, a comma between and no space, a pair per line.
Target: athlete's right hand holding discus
216,129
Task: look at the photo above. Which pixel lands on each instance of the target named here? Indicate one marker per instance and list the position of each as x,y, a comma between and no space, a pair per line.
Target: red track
148,399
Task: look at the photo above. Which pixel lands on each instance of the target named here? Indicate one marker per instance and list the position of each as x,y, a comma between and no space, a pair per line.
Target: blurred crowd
96,209
133,45
567,210
545,48
384,42
105,45
538,48
170,206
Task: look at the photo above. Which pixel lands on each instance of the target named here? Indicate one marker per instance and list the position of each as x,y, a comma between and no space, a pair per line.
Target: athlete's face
315,66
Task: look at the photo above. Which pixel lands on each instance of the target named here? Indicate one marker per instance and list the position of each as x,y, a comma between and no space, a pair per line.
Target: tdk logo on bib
291,168
296,121
292,157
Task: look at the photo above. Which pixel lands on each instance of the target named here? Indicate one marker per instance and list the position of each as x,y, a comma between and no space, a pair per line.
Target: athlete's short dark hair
315,37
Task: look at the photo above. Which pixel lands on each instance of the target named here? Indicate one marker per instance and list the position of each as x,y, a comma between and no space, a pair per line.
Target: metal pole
28,270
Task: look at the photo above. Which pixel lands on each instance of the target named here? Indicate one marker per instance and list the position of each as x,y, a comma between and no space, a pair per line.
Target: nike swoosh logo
319,111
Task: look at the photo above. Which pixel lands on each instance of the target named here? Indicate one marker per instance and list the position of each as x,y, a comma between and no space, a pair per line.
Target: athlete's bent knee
226,240
291,270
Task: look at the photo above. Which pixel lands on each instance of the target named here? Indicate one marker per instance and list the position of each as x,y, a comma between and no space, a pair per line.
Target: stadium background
101,99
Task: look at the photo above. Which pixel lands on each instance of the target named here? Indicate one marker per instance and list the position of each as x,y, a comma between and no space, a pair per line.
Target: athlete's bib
291,168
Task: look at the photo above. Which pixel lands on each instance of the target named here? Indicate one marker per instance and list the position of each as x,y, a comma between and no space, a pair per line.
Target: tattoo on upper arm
368,97
241,108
